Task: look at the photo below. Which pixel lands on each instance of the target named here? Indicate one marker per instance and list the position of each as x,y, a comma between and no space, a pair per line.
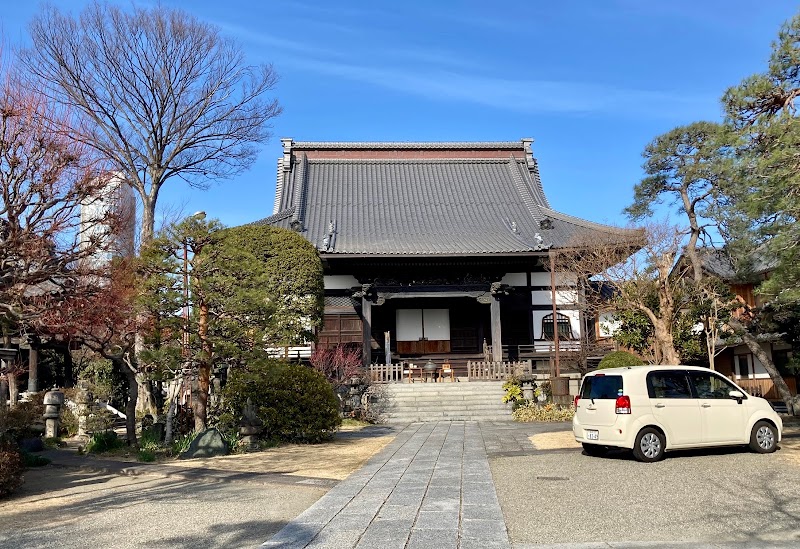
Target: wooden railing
535,350
484,371
765,387
386,373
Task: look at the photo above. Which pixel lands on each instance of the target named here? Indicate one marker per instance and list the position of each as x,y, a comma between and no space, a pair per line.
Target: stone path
429,488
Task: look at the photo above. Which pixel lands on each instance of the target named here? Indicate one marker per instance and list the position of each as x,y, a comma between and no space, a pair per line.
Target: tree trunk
130,405
758,352
663,339
69,370
13,394
172,397
146,402
203,371
148,219
33,370
3,393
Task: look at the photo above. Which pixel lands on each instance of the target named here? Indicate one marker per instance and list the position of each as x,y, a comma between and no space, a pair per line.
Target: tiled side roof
417,206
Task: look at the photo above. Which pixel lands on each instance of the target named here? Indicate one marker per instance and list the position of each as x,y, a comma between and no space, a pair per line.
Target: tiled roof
423,206
721,264
395,145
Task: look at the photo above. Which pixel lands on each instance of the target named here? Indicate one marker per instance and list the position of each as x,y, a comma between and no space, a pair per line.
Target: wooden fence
386,373
765,387
485,371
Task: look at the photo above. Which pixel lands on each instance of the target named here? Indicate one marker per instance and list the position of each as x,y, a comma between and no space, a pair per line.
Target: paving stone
484,529
429,488
433,539
335,538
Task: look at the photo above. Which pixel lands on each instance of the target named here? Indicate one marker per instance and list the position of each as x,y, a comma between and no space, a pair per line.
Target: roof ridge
585,223
408,144
274,217
503,160
523,190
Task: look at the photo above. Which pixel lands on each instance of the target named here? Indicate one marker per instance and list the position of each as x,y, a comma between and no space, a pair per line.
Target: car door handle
659,405
706,405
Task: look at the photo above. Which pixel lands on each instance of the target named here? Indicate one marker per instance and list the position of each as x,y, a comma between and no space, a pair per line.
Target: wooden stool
447,371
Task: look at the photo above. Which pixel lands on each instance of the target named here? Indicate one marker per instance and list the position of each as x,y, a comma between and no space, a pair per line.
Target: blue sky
592,82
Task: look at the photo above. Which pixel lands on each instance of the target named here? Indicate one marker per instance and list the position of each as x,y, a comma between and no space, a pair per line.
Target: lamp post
185,351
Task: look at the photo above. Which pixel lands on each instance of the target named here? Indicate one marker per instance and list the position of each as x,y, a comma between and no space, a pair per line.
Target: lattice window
564,327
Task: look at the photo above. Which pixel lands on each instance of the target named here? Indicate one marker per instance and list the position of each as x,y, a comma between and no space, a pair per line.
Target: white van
655,409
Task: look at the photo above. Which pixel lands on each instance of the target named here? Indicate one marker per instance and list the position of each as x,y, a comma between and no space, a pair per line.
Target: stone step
470,410
448,398
410,418
473,401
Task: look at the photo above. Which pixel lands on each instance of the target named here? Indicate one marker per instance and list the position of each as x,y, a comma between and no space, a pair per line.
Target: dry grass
331,460
558,440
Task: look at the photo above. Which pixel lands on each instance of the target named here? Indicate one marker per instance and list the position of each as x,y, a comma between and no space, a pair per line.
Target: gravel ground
563,496
78,509
234,501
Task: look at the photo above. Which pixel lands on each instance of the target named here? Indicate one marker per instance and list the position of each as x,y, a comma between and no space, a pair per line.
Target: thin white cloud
527,96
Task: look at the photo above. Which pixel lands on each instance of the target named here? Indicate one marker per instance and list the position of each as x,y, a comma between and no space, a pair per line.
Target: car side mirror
738,395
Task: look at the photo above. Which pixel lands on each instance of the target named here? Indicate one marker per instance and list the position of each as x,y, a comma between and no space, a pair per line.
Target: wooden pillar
366,313
555,314
497,340
33,370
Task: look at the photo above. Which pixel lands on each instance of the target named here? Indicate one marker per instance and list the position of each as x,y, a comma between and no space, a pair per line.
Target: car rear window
601,386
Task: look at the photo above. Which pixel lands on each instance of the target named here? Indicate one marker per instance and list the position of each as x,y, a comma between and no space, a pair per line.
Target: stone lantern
53,400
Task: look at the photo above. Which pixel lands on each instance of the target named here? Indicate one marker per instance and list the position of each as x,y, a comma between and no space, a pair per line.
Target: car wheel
649,445
764,438
594,449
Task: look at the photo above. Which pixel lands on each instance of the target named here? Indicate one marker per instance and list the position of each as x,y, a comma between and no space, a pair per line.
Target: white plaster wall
608,324
515,279
340,282
758,370
563,297
562,279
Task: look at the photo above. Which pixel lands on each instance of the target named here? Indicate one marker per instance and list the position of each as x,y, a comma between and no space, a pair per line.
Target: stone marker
250,427
208,443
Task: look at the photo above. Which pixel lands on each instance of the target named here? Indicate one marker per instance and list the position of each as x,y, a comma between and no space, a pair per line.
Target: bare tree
44,178
643,282
165,94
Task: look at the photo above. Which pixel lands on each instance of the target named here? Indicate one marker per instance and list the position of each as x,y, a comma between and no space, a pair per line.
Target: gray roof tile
423,206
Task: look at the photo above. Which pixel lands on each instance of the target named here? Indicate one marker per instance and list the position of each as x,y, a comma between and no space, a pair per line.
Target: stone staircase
463,401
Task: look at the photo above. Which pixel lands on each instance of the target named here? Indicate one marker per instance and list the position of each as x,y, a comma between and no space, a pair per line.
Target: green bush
103,442
296,403
22,421
513,389
33,460
146,455
619,359
530,411
11,468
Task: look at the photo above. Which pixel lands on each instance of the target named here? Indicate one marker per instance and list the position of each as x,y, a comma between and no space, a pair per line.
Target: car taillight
623,405
575,401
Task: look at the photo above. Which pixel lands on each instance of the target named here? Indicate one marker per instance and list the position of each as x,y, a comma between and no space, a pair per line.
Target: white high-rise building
110,220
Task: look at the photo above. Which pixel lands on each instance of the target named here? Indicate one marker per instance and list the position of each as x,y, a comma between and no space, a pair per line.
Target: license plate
592,435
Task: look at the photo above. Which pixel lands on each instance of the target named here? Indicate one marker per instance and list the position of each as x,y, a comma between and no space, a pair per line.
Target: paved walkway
429,488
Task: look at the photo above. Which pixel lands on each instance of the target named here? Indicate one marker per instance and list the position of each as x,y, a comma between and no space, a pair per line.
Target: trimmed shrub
103,442
296,403
619,359
294,279
530,411
11,468
33,460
